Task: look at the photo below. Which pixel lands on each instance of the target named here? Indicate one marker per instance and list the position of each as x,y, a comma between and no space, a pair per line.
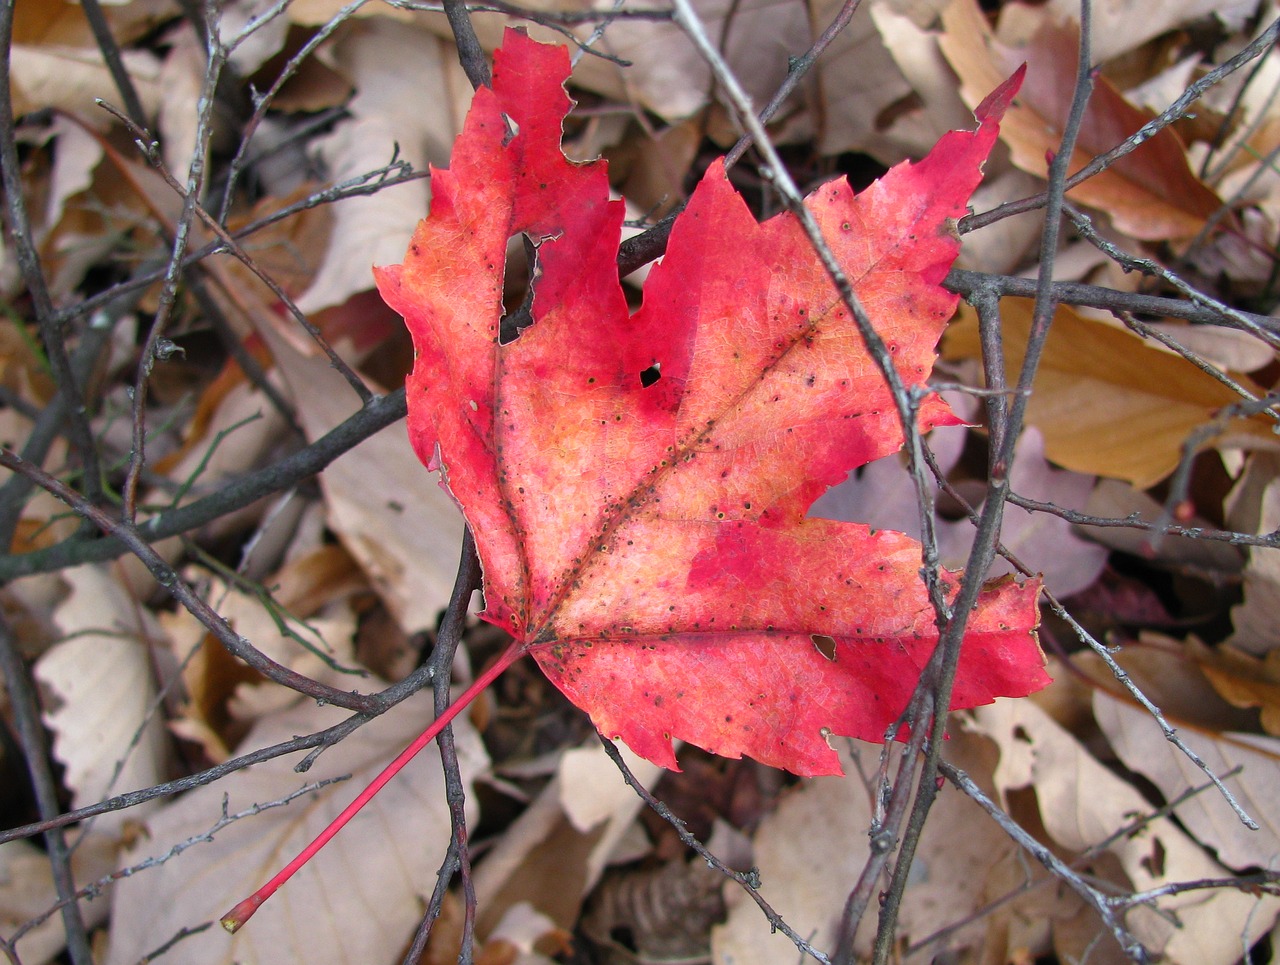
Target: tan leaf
403,530
812,848
1141,745
70,78
1081,805
27,890
107,731
1150,193
383,60
1107,402
1245,681
357,902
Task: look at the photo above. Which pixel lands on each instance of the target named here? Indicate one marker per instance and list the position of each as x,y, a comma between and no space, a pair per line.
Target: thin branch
277,477
151,151
115,63
173,273
458,858
194,604
262,102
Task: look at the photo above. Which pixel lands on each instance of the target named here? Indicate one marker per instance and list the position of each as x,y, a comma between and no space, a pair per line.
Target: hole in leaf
826,645
651,374
512,129
519,275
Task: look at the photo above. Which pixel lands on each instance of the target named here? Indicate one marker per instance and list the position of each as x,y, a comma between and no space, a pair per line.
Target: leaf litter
388,526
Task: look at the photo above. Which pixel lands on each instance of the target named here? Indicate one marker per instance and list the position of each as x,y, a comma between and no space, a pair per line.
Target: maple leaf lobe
646,540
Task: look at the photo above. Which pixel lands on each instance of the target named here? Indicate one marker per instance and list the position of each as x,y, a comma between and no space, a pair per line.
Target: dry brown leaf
108,732
63,23
1114,499
1172,676
1108,402
70,78
1123,25
885,90
1149,194
1245,681
666,75
567,835
358,902
1082,804
1141,745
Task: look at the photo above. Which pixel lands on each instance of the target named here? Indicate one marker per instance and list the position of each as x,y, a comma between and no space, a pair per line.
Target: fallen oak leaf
645,540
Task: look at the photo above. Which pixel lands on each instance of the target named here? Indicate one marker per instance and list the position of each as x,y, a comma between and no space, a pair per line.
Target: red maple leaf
648,543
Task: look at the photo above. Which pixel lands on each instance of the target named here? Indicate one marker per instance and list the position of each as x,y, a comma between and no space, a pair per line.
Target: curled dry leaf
1150,194
645,539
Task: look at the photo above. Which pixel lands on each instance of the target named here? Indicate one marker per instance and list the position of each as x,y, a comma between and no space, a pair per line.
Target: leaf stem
241,913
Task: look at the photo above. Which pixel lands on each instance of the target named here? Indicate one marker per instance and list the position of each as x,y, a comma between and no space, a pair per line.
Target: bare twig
184,594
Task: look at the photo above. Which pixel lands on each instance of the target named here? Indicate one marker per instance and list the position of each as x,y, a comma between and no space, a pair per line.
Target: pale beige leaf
384,60
71,78
812,848
400,526
108,733
1082,803
1142,746
27,890
357,902
1256,628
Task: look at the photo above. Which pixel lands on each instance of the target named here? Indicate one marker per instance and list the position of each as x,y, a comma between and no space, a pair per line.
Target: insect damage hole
825,645
651,375
519,276
512,129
